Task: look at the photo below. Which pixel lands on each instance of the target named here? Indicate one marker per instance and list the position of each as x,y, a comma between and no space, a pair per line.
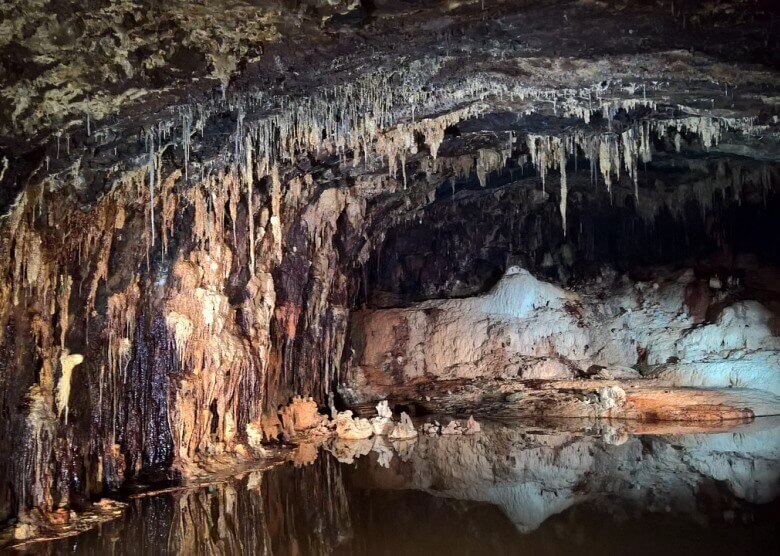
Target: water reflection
508,490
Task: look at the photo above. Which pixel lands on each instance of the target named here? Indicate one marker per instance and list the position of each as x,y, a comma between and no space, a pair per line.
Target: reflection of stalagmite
347,450
404,448
383,450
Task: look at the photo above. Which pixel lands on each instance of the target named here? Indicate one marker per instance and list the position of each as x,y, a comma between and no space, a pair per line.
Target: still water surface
512,489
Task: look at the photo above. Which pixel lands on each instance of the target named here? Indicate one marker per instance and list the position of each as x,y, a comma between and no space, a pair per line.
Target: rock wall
531,329
126,354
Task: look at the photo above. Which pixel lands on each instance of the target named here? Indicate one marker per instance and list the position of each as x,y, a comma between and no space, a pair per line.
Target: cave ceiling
87,86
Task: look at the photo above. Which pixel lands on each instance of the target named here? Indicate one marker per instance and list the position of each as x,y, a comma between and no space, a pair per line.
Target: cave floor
647,403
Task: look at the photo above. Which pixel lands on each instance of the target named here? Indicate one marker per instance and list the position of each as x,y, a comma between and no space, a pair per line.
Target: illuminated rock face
350,428
195,199
530,329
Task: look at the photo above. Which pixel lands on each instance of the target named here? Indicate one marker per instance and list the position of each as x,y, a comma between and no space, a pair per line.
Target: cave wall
123,354
164,320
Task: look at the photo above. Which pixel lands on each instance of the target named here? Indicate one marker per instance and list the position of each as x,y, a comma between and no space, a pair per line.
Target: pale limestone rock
349,428
453,427
383,422
24,531
383,410
472,427
431,429
528,328
618,372
254,436
404,430
612,397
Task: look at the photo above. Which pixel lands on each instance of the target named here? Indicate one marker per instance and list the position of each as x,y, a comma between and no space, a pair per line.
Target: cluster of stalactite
463,242
141,335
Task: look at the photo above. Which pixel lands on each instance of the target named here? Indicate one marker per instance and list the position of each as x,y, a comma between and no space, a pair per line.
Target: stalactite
105,231
248,176
564,187
168,198
610,152
275,221
63,299
488,160
186,138
152,174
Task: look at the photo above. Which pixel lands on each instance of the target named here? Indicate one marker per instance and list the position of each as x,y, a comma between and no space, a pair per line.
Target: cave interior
229,227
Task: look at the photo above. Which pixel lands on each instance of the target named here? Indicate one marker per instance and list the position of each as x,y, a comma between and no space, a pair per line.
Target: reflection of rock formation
284,511
440,490
532,475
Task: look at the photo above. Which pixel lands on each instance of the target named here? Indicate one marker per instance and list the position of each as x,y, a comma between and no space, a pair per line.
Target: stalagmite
472,426
68,362
304,414
383,423
351,428
404,430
